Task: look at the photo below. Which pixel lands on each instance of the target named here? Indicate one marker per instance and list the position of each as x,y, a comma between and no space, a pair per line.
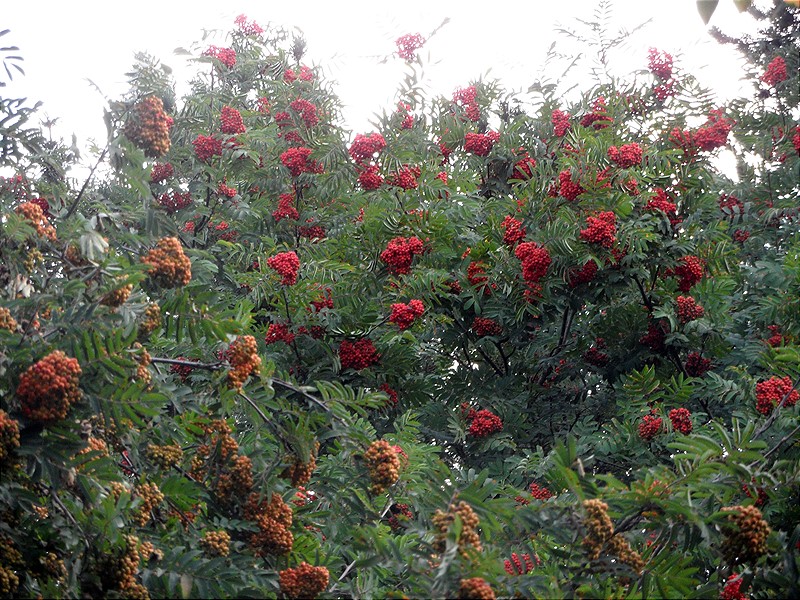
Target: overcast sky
65,44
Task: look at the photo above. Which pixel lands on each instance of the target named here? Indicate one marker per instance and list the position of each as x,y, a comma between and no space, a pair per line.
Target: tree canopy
498,345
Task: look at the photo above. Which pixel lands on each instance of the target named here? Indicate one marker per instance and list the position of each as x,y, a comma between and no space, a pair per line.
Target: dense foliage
496,346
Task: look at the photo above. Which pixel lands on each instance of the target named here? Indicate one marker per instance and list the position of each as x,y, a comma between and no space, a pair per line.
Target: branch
782,441
187,363
85,184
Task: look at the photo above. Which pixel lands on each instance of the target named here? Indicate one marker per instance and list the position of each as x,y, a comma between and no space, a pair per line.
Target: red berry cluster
49,388
297,161
408,44
324,300
567,188
405,177
161,172
761,496
169,266
44,205
404,112
365,147
796,139
400,252
775,73
777,338
480,144
303,74
595,355
359,354
278,332
225,190
688,309
601,229
149,127
523,168
626,156
206,147
227,56
399,512
773,392
515,566
306,110
655,337
482,327
681,420
383,464
733,588
403,315
690,271
286,208
476,275
661,202
598,118
475,588
247,27
513,231
467,99
175,201
287,265
370,178
664,90
741,236
561,123
303,581
535,261
312,232
696,365
714,133
231,121
660,63
384,387
649,427
730,205
540,492
483,423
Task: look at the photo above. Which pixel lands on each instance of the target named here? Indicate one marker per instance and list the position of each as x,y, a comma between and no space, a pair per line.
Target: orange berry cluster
10,560
94,444
9,436
244,359
164,456
151,320
745,535
49,388
475,588
299,472
142,372
220,443
35,216
149,127
383,465
304,581
6,320
169,266
216,543
117,297
118,570
469,528
73,255
235,481
274,520
600,535
151,497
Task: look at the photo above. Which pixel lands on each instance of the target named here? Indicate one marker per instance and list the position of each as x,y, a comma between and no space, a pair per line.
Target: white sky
66,43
